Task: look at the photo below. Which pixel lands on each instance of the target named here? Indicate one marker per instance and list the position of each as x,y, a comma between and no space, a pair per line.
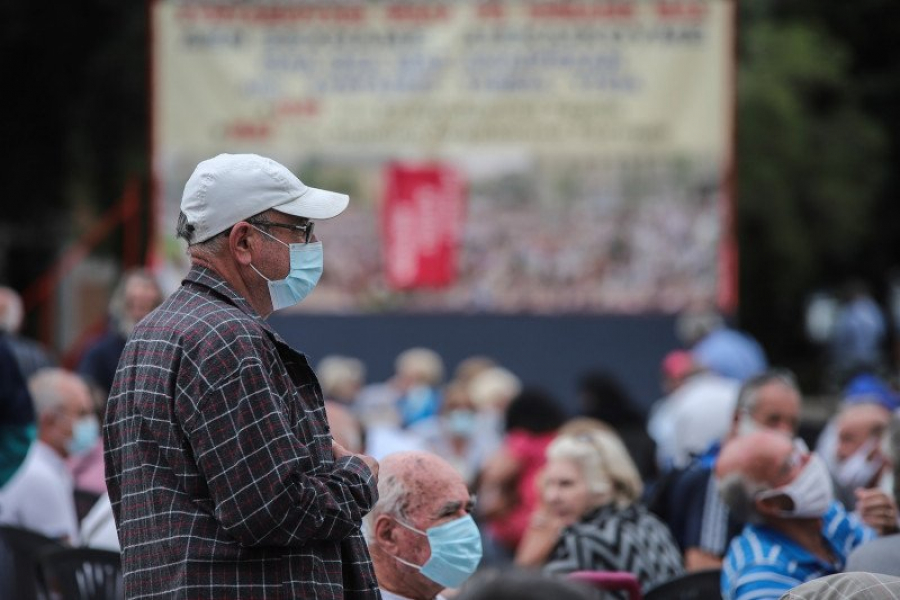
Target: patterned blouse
219,461
612,539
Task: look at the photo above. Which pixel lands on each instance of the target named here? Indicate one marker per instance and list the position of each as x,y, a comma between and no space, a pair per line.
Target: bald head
425,478
755,456
417,491
749,464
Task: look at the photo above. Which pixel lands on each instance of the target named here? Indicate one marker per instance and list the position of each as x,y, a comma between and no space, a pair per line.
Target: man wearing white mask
796,531
691,505
858,460
223,476
40,497
421,534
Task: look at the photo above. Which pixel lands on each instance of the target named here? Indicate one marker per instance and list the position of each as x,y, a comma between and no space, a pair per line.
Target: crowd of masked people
718,476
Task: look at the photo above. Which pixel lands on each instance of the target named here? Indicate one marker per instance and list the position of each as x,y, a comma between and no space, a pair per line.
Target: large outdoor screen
501,156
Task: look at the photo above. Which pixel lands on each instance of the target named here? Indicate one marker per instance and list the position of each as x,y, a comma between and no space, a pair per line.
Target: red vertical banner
422,214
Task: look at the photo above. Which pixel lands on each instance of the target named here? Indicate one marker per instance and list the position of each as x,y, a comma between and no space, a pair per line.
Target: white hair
493,387
336,373
392,500
48,388
422,365
604,461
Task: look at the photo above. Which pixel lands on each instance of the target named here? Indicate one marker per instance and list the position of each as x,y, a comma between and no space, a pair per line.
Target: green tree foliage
811,166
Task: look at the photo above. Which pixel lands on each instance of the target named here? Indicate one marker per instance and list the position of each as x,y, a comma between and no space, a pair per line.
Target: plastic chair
610,581
697,585
83,573
20,575
84,502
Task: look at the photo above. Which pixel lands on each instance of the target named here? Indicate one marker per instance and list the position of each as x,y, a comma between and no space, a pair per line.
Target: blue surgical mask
461,422
306,268
455,551
85,433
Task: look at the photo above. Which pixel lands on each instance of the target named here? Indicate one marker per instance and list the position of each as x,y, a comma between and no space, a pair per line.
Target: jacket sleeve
266,485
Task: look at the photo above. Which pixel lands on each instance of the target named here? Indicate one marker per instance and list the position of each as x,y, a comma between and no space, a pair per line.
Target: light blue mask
85,433
306,268
461,422
455,551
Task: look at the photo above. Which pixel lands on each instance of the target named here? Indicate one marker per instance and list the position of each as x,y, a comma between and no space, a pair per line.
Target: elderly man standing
224,479
421,534
796,531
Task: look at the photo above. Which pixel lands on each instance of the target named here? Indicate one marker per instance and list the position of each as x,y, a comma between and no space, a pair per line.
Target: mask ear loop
397,558
274,238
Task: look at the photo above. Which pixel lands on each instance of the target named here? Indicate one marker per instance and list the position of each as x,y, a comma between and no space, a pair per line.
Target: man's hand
877,510
341,452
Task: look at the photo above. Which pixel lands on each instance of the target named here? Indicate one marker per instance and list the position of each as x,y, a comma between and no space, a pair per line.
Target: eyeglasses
306,229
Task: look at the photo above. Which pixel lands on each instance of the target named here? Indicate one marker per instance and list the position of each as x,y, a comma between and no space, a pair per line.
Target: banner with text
593,137
422,214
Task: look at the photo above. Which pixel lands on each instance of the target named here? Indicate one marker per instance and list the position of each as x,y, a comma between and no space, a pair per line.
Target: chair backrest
83,573
610,581
20,576
84,502
697,585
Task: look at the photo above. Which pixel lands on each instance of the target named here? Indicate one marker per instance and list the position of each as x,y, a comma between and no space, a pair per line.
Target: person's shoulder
696,473
37,474
754,547
764,580
602,523
847,585
200,318
838,523
878,555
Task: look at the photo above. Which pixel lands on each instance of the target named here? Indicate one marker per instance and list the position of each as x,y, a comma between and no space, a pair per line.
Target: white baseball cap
230,188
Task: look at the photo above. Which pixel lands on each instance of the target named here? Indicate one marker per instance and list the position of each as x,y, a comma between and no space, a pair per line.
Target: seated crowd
484,476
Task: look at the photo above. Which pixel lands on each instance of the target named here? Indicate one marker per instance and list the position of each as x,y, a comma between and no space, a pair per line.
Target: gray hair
117,300
738,493
185,230
748,396
494,387
393,500
604,461
422,365
47,390
336,373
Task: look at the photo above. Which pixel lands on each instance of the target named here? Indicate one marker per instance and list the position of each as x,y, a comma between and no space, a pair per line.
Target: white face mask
811,491
859,468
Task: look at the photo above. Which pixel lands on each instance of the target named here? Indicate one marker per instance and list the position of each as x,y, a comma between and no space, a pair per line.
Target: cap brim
315,204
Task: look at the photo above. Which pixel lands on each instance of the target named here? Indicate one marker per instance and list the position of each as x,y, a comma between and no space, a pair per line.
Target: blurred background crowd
607,486
817,226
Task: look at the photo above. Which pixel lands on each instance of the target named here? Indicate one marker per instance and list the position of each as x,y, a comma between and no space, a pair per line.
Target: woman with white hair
590,489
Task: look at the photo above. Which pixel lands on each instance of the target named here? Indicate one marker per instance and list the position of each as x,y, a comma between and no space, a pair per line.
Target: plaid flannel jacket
219,462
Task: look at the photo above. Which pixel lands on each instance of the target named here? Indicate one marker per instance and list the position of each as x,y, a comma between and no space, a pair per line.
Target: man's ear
773,505
240,241
386,533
